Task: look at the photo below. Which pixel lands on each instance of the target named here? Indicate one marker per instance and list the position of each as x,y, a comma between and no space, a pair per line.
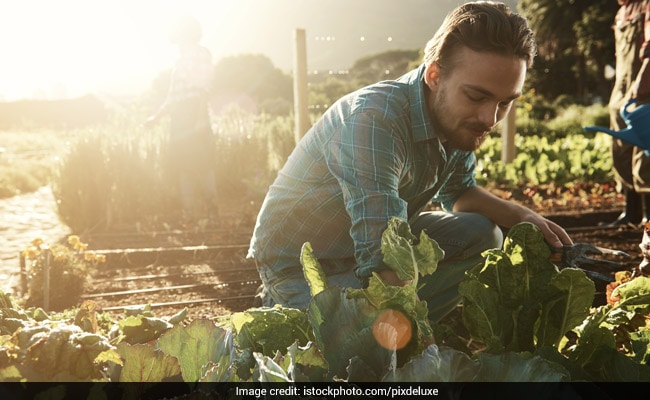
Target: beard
456,136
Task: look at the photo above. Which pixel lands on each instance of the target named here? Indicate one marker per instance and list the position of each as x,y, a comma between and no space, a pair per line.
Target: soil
215,280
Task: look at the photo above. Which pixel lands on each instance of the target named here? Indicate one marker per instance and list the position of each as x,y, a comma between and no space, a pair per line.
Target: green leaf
401,253
522,270
514,286
382,295
343,329
267,370
268,330
305,364
312,269
144,363
197,345
141,329
613,366
64,352
641,346
436,364
634,292
482,314
410,261
514,367
178,317
593,339
569,306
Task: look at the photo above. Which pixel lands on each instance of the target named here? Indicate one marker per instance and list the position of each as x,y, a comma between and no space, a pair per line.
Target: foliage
250,78
75,345
325,89
27,159
575,44
534,320
112,175
389,64
539,160
121,174
518,301
380,319
64,266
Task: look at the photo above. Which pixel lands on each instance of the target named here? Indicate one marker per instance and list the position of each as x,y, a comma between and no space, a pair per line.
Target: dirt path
23,218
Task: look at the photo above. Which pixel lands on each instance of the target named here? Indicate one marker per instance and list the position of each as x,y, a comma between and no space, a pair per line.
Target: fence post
508,136
23,274
46,279
301,112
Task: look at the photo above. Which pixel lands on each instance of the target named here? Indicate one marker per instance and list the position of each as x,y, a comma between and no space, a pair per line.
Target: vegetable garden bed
207,272
178,276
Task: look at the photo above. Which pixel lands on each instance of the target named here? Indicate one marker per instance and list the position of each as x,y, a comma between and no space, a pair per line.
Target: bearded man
390,148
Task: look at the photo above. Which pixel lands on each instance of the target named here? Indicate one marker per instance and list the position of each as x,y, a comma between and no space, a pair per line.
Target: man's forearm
502,212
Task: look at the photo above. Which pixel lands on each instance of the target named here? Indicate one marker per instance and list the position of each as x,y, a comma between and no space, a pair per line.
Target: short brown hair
482,26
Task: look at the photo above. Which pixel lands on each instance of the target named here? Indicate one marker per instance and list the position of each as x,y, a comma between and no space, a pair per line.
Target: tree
326,89
575,42
251,80
385,65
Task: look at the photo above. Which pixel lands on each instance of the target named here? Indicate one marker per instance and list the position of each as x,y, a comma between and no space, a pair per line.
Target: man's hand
507,213
554,234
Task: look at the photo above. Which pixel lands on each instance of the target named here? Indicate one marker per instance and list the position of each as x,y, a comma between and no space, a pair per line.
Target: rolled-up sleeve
367,158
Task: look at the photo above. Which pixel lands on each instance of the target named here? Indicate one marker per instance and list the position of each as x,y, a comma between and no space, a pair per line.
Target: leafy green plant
80,344
519,301
121,175
539,160
535,321
64,266
35,346
27,159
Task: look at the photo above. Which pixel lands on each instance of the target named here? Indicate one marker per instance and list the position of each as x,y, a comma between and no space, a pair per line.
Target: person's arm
507,213
366,156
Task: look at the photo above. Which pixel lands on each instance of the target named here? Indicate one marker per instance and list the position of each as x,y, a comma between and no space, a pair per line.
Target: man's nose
490,114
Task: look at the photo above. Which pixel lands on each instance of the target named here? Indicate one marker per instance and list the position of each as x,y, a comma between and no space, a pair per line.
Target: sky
66,48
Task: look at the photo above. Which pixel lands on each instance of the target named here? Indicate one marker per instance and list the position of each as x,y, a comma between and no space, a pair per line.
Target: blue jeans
463,237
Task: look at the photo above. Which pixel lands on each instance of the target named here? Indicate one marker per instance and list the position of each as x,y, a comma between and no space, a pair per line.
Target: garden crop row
536,323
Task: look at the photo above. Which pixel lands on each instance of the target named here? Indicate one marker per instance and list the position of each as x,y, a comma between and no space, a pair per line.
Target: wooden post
301,112
23,274
46,279
508,136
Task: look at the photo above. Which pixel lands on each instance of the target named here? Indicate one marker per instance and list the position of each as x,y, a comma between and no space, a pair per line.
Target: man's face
468,100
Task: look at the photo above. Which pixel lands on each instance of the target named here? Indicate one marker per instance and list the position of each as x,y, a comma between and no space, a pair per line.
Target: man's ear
432,75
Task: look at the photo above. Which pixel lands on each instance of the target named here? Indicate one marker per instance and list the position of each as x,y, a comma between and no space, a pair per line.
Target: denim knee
485,234
461,235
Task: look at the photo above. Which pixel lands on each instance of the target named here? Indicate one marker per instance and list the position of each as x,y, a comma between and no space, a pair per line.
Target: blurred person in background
191,139
632,81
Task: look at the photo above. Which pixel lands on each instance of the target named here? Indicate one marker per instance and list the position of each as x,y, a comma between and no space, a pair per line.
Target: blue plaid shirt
371,156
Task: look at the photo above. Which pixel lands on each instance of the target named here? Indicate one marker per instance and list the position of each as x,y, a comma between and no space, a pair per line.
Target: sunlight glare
69,47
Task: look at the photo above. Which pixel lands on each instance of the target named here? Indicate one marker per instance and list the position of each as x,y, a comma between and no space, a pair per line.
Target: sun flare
67,47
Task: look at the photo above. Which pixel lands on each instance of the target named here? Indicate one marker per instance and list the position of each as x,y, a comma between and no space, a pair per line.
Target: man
387,150
631,166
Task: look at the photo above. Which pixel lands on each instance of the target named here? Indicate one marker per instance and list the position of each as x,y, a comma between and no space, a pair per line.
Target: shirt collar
420,119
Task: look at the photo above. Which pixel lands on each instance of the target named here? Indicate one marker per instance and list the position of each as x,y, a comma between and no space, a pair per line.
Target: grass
116,174
28,159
